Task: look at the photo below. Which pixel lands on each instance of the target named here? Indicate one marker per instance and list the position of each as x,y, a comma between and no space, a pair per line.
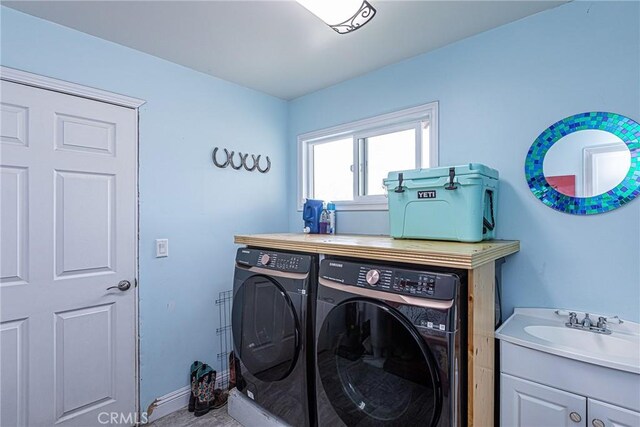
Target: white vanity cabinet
604,415
580,379
528,404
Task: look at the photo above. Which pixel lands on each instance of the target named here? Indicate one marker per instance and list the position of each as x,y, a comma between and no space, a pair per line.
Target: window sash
360,155
411,118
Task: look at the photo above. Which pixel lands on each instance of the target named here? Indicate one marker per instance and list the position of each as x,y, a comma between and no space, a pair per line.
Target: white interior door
68,225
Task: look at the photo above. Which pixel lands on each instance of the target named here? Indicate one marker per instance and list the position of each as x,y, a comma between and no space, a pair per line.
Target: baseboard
176,400
171,402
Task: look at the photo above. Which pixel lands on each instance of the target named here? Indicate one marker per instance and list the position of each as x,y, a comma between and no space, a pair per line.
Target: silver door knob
575,417
122,285
597,423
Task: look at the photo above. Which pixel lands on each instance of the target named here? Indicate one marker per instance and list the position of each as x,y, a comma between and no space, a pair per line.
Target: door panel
85,223
528,404
68,195
14,124
611,416
85,135
13,393
15,226
79,386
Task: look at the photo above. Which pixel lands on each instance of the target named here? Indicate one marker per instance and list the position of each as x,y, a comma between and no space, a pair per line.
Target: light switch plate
162,248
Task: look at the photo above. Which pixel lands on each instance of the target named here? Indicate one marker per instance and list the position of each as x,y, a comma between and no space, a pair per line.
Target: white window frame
360,129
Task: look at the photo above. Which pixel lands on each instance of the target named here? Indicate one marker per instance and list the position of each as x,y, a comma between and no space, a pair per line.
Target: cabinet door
605,415
528,404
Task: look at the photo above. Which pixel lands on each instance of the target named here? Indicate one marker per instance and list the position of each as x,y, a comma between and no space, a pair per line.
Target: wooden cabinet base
477,258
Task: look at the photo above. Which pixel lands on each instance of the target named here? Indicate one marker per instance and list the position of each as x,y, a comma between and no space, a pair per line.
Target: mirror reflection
587,163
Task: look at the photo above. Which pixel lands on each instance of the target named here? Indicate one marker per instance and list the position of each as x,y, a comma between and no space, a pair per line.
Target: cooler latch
399,188
451,185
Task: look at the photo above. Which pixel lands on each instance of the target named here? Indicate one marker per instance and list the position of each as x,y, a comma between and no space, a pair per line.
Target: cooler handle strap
452,175
400,188
486,224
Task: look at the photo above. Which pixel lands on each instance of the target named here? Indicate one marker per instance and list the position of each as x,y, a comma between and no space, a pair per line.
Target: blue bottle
311,215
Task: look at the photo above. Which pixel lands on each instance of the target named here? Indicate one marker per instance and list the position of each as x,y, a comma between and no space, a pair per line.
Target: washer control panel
273,260
418,283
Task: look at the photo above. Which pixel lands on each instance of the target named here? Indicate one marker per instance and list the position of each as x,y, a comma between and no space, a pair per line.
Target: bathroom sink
590,341
545,330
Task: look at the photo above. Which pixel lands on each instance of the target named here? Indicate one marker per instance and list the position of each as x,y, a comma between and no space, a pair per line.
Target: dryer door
266,329
374,367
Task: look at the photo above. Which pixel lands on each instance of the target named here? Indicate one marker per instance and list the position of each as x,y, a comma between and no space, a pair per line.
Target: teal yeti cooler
447,203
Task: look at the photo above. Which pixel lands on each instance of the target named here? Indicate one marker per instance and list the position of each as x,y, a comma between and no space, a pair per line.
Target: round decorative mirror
586,164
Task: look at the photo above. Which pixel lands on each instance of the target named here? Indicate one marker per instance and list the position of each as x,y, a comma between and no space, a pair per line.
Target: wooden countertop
422,252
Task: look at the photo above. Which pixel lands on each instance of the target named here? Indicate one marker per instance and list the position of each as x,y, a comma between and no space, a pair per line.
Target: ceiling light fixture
343,16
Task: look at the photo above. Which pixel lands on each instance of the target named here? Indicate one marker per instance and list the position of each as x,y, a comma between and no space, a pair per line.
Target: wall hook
267,168
255,162
231,160
243,161
215,160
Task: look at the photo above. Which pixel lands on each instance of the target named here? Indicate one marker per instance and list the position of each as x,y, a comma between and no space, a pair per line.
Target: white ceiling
278,47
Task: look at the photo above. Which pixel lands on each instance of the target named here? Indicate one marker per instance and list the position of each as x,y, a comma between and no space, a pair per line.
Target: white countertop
544,330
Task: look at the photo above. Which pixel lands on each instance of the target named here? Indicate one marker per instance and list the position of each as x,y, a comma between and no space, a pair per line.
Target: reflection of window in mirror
597,160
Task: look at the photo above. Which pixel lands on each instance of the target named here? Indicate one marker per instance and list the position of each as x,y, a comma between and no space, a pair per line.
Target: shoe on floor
206,382
195,366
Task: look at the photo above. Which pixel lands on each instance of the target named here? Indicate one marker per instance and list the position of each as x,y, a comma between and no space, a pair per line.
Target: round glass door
375,368
265,329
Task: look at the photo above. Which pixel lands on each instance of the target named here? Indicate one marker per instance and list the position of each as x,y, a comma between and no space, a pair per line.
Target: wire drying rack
226,338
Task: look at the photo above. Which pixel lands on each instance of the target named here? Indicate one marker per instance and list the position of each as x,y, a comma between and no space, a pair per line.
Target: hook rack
243,161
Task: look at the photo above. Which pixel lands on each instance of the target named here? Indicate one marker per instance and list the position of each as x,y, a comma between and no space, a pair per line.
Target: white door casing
69,230
604,167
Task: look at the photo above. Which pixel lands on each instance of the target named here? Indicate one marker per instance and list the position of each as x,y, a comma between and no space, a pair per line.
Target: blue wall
497,92
182,196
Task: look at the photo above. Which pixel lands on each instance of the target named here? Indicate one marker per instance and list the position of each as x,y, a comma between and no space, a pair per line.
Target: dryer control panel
272,260
418,283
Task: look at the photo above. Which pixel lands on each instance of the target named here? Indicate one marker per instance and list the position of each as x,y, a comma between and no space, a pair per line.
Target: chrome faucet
586,322
602,323
573,319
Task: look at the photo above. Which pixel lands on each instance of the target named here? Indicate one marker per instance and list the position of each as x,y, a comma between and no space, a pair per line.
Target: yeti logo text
429,194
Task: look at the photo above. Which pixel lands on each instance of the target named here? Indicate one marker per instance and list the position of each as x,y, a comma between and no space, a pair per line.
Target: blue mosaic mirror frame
623,127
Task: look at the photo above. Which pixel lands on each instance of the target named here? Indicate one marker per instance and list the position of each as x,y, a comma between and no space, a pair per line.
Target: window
346,164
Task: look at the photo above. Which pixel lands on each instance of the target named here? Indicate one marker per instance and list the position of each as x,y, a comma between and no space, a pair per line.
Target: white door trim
589,165
62,86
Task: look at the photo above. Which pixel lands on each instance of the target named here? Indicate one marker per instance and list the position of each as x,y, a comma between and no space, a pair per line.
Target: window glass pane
385,153
332,176
426,135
